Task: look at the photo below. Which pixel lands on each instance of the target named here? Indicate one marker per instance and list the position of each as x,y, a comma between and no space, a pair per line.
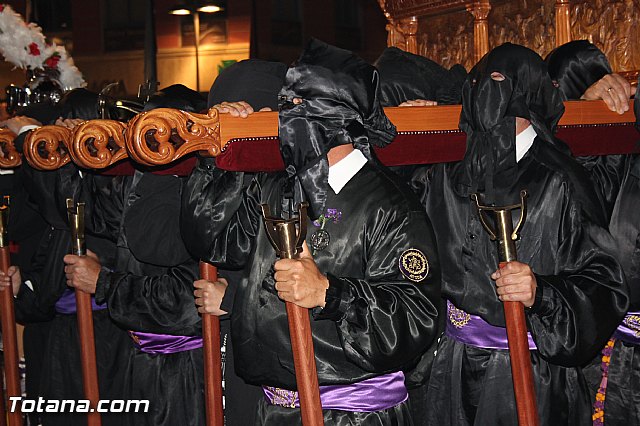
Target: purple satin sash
629,330
164,343
473,330
370,395
67,303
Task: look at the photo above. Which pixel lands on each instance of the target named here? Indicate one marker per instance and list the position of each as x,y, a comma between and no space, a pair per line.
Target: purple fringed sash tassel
474,331
628,331
598,405
66,304
367,396
164,343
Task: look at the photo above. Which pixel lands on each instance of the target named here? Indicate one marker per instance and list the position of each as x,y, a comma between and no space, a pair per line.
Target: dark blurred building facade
106,37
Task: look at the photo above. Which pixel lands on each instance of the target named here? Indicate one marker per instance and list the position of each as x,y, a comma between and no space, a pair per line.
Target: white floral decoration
25,46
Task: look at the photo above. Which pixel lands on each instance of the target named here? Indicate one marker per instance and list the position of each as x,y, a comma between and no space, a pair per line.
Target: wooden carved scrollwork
163,135
46,148
9,157
98,144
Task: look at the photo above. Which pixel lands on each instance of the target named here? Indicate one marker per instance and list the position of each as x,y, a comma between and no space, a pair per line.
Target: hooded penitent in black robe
403,72
258,83
580,295
618,401
574,67
379,317
58,356
149,288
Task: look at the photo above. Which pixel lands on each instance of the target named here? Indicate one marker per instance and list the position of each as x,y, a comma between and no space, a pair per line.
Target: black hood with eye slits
489,110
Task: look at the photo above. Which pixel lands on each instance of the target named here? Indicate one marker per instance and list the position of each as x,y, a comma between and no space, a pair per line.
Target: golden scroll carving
164,135
9,157
97,144
46,148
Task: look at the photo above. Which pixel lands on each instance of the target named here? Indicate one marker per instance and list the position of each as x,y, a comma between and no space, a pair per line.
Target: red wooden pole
9,341
304,362
212,357
88,355
84,315
521,369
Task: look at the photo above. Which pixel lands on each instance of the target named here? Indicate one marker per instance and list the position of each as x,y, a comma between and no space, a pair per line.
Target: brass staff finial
76,222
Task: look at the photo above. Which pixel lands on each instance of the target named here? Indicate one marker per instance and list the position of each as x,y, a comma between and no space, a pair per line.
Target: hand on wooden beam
613,89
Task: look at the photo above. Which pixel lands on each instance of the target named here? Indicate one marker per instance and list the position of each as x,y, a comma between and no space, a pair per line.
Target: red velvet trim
600,140
263,155
251,155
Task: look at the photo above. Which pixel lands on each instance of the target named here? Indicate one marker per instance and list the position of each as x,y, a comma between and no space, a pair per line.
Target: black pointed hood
254,81
575,66
489,110
340,105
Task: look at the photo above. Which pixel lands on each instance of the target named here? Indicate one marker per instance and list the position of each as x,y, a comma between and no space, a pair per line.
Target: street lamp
195,8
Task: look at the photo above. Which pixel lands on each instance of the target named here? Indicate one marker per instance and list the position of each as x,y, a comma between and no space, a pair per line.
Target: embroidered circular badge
414,265
320,240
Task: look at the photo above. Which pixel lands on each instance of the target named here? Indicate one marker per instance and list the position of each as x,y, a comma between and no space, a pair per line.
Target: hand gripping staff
8,319
287,237
85,317
212,357
521,369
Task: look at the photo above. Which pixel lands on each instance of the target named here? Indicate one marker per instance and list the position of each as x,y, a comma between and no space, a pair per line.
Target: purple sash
374,394
164,343
629,330
473,330
67,303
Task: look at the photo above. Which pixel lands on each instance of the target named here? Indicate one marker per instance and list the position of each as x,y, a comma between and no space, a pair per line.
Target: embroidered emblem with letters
414,265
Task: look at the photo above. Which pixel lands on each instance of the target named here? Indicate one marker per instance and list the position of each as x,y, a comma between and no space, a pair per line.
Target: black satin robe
57,356
150,289
376,321
622,402
580,297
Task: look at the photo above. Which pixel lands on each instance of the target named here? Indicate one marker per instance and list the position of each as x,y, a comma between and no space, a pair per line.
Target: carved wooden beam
97,144
46,148
480,10
163,135
264,125
563,22
9,157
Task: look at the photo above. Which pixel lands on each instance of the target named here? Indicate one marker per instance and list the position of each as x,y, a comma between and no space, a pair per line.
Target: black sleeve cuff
103,285
337,300
227,300
542,303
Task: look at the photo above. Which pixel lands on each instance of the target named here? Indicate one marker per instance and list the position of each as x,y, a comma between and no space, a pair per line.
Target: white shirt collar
342,172
524,141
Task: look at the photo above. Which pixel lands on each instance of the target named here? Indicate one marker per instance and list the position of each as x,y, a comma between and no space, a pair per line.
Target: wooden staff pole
287,237
212,357
84,314
8,320
521,368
